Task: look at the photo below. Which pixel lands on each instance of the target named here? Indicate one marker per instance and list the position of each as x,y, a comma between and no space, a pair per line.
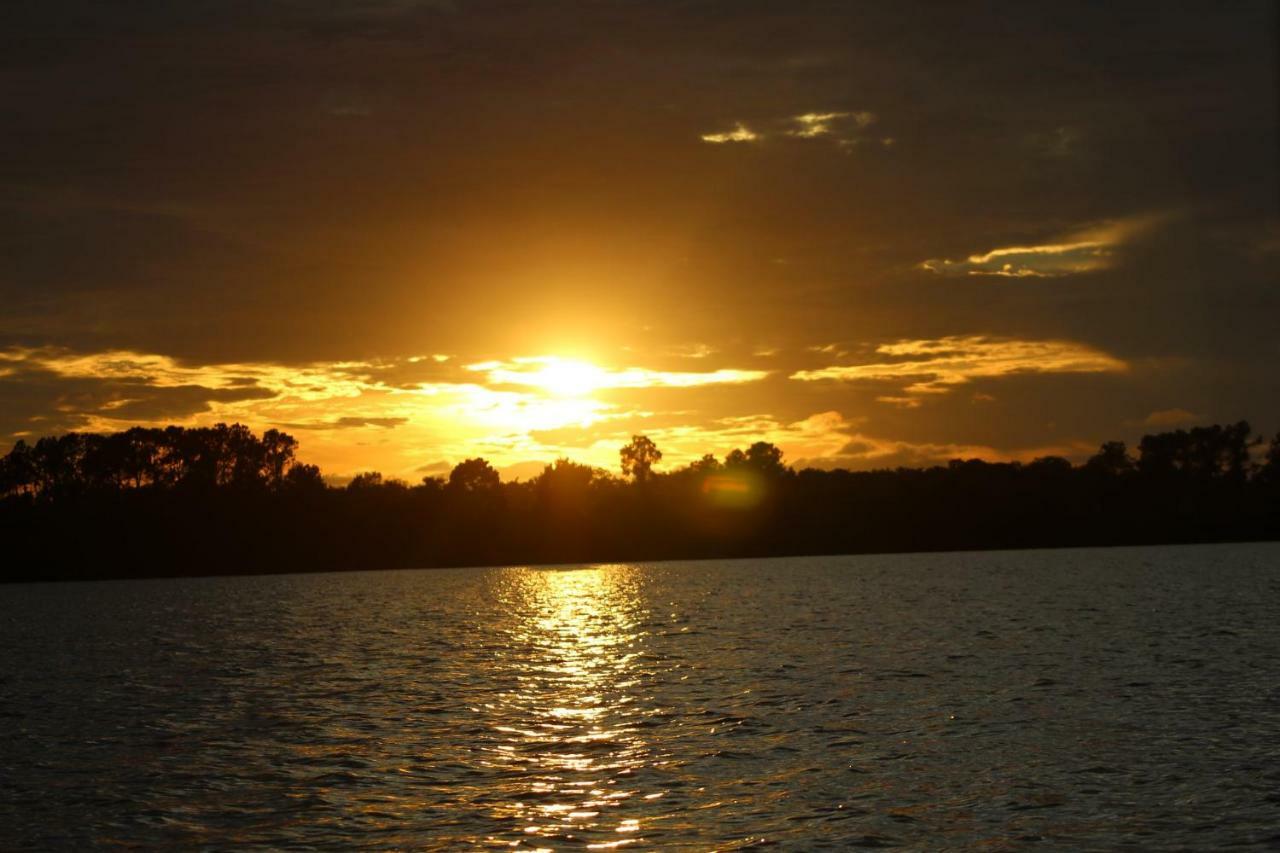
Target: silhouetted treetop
1111,460
474,475
706,465
1201,452
365,480
199,458
304,478
639,457
761,457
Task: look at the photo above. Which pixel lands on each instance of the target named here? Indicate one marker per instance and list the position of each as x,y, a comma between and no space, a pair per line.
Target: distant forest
222,500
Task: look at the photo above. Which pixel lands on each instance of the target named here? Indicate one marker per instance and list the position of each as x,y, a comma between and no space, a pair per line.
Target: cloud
829,440
814,124
526,470
694,350
901,402
934,366
1083,251
573,378
1169,417
37,400
684,441
811,125
154,403
349,422
1046,261
823,440
863,452
509,411
844,126
740,133
162,371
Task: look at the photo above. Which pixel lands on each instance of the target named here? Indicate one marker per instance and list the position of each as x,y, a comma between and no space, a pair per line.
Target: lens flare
733,490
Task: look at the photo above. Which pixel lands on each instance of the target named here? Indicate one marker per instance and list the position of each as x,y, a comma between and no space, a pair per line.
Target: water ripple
1081,698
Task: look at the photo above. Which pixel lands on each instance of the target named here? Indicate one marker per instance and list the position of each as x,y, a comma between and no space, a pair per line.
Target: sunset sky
414,232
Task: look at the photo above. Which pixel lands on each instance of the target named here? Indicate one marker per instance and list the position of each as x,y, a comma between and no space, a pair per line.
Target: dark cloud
44,402
348,423
413,371
858,447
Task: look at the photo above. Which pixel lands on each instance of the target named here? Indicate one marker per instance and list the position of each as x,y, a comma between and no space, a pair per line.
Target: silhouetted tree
18,471
1203,453
706,465
276,455
365,480
1269,472
474,475
639,457
301,478
156,501
761,457
566,478
1050,466
1112,460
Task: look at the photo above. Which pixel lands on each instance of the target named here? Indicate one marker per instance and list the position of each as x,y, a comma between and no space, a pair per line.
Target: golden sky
410,233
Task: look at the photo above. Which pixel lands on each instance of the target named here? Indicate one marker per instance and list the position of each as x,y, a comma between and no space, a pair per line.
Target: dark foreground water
1090,698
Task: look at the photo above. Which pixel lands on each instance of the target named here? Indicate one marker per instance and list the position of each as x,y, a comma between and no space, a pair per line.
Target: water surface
1083,698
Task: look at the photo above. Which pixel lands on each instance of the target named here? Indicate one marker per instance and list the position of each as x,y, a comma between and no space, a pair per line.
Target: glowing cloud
348,409
566,377
740,133
843,127
312,381
1081,252
935,366
820,124
815,124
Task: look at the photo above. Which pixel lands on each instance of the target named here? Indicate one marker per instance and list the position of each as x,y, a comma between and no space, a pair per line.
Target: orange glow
736,490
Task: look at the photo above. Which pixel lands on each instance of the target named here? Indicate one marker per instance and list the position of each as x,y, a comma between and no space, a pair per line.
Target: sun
567,377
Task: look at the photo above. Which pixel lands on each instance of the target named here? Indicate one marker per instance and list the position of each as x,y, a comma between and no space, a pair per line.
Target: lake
1079,698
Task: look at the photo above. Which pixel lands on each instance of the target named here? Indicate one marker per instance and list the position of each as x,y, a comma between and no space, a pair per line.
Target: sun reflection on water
568,726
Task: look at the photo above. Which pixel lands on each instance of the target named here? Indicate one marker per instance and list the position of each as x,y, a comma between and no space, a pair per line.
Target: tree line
179,501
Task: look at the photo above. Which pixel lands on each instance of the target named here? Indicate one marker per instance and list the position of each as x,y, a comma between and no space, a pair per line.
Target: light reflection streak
568,726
